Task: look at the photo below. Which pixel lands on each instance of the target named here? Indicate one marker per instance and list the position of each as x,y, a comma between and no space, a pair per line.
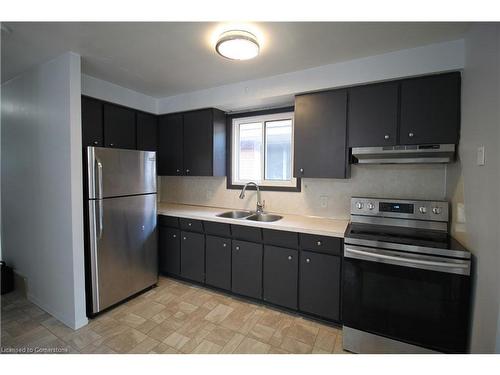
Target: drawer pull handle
178,170
308,260
237,247
174,236
319,243
189,224
184,238
290,257
386,136
224,245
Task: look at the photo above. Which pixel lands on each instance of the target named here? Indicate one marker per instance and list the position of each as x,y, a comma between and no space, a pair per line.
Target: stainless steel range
406,282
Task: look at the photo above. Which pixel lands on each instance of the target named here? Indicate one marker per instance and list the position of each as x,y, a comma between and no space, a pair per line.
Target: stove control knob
359,205
423,210
370,206
436,210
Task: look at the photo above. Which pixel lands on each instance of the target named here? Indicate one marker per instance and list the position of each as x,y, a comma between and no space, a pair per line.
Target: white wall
280,89
481,184
97,88
41,175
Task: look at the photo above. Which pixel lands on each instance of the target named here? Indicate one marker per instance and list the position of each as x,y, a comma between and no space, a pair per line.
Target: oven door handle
361,254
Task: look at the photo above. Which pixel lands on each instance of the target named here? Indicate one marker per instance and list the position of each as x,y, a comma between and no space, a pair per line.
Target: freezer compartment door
124,250
116,172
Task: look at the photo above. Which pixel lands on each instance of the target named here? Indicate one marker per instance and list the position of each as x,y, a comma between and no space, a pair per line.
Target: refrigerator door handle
99,217
94,244
99,178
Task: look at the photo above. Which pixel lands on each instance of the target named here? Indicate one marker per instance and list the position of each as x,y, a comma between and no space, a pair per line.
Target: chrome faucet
260,203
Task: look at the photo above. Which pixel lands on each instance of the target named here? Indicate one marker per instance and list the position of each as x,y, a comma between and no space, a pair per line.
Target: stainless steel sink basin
235,214
264,217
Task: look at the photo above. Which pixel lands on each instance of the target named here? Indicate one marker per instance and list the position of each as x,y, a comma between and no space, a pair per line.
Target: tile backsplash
390,181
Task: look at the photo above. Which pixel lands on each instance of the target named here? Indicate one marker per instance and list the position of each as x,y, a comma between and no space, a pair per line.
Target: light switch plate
460,213
481,155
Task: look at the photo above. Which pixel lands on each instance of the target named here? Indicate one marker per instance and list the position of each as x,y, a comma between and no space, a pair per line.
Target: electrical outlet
460,213
323,201
481,155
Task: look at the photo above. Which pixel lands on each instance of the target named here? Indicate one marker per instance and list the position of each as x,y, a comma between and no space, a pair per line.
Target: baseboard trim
71,324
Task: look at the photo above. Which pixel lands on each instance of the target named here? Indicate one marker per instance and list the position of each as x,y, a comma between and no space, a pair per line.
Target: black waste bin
7,277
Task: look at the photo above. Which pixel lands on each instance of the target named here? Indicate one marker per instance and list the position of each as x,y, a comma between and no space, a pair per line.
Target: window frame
234,120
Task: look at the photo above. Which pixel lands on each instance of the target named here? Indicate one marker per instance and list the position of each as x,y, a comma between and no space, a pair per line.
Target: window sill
295,189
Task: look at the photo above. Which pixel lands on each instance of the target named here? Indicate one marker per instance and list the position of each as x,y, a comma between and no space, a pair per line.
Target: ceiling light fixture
237,45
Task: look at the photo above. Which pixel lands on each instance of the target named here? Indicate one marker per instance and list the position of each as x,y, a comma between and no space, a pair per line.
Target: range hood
411,154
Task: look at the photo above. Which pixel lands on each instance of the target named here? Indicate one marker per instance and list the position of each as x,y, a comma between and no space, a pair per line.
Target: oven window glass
421,307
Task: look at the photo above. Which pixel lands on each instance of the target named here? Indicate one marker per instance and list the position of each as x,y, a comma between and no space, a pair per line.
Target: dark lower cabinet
193,256
170,251
281,276
319,285
218,262
247,269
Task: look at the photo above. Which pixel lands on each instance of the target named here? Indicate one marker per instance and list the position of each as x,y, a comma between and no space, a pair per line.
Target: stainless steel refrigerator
122,224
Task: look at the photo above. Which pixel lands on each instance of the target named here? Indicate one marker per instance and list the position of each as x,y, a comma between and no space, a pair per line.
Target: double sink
249,215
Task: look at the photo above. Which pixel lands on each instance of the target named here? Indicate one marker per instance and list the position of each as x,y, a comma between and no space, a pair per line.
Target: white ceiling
164,59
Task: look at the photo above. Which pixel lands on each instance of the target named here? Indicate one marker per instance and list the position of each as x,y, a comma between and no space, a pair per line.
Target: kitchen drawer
217,229
321,244
168,221
191,225
281,238
242,232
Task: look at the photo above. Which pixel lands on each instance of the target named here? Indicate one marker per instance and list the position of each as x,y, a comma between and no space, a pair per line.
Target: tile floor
172,318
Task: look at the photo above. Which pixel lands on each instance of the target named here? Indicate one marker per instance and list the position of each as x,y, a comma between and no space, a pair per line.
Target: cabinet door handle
410,134
308,260
111,145
96,142
319,243
301,170
290,257
237,247
189,224
187,170
224,244
184,238
386,136
178,170
174,236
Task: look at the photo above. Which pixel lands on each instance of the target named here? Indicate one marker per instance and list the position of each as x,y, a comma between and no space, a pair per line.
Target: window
262,150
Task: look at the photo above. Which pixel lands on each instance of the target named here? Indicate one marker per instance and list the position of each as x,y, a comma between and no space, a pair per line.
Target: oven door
418,299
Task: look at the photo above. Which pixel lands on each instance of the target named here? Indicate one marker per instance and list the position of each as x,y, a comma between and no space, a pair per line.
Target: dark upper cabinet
147,131
321,135
218,262
193,256
373,115
281,268
247,269
319,285
119,127
204,143
198,147
170,145
192,143
92,126
170,250
430,109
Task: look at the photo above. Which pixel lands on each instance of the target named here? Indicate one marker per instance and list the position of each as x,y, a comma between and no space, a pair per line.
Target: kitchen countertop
291,223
